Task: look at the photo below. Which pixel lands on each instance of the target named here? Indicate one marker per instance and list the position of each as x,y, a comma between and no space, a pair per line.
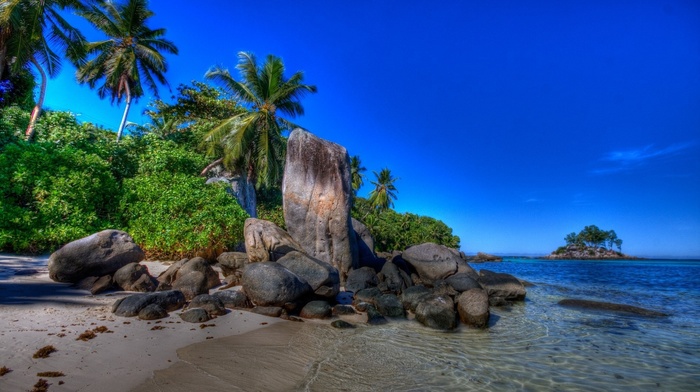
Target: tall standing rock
317,197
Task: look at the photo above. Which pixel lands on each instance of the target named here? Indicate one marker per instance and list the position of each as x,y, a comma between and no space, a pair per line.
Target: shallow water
536,345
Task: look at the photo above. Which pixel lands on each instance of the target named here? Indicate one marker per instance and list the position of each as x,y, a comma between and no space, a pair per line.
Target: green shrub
51,195
13,122
177,215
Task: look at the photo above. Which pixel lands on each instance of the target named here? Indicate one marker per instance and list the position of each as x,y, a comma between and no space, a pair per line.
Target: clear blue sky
515,122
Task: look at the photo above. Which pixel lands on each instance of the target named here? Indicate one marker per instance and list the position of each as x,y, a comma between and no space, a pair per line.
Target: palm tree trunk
29,134
126,113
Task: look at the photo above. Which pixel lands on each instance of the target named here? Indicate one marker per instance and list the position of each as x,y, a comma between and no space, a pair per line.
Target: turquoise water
536,345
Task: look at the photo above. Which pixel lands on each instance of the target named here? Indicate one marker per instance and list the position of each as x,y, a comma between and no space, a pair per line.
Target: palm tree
356,173
251,143
129,58
384,193
29,32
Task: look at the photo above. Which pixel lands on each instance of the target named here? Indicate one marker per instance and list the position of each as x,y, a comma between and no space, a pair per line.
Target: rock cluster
576,252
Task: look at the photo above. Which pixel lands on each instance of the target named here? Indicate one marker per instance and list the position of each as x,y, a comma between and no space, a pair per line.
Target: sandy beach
36,312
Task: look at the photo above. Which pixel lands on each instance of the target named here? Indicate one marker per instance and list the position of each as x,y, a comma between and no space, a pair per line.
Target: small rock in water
341,324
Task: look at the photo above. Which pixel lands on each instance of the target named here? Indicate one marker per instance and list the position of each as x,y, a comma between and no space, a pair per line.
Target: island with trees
591,243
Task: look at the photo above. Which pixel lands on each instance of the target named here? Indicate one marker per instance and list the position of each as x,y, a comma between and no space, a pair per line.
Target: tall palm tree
30,30
356,173
251,142
130,57
384,193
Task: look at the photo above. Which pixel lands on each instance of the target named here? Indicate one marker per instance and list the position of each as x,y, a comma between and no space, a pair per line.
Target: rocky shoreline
574,252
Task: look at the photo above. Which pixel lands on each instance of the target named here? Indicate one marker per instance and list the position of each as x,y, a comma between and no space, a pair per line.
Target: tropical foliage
30,33
384,193
130,58
592,236
252,142
357,173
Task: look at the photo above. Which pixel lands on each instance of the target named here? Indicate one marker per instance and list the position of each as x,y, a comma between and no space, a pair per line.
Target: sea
535,345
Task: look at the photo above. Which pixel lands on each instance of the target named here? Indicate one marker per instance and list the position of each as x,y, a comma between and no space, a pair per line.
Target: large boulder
134,277
99,254
271,284
462,282
316,310
365,244
265,241
198,264
317,198
501,286
131,306
192,284
473,308
432,261
396,279
232,263
322,277
362,278
437,312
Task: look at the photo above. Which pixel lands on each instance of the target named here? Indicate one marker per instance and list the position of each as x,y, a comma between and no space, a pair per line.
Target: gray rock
432,261
99,254
195,315
269,311
502,285
390,306
102,284
341,324
210,303
200,265
413,295
168,276
316,310
362,278
265,241
322,277
134,277
239,187
192,284
394,278
232,262
473,308
369,295
441,287
362,306
271,284
131,306
462,282
374,317
233,299
365,244
152,312
437,312
612,307
464,268
317,198
343,310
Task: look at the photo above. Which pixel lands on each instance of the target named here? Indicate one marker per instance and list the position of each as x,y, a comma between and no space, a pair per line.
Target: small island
591,243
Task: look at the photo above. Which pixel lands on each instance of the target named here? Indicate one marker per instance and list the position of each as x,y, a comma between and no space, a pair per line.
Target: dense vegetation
592,236
61,180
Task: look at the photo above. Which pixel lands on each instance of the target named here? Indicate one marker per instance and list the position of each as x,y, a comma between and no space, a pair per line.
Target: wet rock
390,306
374,317
462,282
473,308
437,312
367,295
317,198
413,295
501,285
341,324
343,310
610,307
316,310
99,254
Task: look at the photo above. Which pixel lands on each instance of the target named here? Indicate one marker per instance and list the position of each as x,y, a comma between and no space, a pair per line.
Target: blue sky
514,122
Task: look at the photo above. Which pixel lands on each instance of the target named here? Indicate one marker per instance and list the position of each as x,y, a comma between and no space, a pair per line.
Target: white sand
35,312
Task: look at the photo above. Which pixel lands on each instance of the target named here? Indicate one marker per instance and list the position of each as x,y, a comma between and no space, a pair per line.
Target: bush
177,215
13,122
51,195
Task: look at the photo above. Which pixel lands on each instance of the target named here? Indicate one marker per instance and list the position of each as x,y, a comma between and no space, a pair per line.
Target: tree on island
29,32
131,56
592,236
251,142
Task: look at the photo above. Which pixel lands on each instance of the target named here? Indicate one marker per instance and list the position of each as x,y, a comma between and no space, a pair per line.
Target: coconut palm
356,173
384,193
30,31
251,143
130,57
